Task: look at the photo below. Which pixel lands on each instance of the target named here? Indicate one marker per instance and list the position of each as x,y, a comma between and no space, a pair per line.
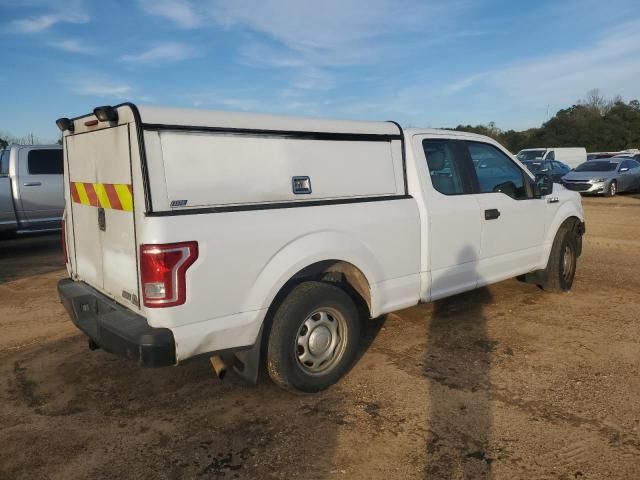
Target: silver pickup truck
31,194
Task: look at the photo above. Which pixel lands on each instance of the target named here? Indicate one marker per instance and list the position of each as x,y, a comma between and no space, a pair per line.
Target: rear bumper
115,328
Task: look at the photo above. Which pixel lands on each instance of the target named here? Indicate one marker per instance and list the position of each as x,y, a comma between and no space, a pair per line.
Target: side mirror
544,185
624,169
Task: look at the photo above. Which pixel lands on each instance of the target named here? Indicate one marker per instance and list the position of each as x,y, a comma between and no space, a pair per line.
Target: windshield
597,166
523,156
534,167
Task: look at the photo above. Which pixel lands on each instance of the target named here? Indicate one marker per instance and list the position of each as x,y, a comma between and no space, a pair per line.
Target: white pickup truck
31,196
253,238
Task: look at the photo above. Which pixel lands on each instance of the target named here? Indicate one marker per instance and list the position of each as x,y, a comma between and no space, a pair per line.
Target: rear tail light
63,235
162,270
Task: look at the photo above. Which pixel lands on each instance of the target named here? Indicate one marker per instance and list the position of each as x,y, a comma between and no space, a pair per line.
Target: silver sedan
604,177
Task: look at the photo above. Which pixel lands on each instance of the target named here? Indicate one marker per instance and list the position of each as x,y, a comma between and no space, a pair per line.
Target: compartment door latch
102,222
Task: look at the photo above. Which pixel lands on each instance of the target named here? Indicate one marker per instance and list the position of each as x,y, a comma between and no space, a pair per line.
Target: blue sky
427,63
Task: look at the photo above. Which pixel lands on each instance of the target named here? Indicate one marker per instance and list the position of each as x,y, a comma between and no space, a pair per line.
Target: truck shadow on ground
458,367
458,364
23,257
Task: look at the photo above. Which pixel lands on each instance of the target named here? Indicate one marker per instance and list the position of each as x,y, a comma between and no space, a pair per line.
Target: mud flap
246,363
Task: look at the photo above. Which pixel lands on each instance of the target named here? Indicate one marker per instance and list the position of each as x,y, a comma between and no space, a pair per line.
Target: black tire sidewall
569,239
613,185
282,361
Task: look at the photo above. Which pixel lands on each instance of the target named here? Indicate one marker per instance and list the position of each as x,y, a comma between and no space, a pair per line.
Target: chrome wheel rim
321,341
612,189
567,263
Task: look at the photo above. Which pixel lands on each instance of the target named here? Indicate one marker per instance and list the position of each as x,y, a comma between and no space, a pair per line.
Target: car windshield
597,166
523,156
534,167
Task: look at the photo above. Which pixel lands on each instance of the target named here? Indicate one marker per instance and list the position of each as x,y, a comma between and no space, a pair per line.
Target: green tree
595,122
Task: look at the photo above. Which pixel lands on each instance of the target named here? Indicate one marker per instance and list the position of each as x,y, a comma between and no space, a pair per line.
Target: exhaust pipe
219,367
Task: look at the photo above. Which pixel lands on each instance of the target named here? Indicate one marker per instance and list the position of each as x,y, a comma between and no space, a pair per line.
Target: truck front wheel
313,339
561,269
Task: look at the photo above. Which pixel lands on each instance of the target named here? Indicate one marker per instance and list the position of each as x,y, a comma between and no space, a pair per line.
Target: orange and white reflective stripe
117,196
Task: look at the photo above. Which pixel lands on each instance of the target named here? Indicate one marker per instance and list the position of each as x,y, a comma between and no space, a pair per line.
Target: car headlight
600,180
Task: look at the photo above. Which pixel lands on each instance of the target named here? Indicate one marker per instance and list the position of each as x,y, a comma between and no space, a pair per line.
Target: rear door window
496,172
444,169
45,162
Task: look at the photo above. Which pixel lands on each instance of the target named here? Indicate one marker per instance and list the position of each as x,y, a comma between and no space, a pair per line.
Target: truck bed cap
221,119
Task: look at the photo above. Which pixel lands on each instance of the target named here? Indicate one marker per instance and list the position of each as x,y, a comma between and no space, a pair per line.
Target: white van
572,156
249,237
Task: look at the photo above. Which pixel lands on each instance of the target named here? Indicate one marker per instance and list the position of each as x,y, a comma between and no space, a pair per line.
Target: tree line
29,139
595,122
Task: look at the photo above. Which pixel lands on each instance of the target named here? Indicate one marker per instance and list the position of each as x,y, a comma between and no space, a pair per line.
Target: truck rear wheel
561,268
313,339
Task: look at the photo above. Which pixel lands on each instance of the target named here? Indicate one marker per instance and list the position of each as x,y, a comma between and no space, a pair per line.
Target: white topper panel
216,169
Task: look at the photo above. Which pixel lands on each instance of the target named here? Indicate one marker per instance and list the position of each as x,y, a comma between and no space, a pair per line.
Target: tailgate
99,174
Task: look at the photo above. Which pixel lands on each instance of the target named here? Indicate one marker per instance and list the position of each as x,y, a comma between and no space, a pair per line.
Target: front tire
313,339
561,268
613,189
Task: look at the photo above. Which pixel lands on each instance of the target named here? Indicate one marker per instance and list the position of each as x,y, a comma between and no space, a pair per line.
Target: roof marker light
106,113
65,124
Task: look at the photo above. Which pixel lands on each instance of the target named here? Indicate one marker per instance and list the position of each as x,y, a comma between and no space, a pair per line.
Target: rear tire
561,268
313,339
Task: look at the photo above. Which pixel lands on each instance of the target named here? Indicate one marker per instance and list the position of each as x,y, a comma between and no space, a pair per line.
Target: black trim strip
148,204
303,135
404,156
273,206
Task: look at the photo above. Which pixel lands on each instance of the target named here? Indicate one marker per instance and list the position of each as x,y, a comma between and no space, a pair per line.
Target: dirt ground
504,382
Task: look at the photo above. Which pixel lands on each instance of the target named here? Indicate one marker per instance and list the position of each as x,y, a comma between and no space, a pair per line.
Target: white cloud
218,99
331,32
44,22
181,12
74,46
103,89
515,95
311,78
311,38
49,13
166,52
611,64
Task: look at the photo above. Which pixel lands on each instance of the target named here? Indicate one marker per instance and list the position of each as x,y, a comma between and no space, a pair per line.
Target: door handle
32,184
491,214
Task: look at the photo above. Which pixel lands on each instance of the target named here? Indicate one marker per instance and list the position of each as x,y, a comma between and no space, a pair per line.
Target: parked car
556,170
601,155
31,195
604,177
632,156
250,238
572,156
